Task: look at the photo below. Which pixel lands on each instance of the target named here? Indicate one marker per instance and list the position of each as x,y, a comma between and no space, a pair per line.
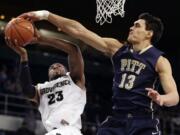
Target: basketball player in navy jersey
137,67
62,99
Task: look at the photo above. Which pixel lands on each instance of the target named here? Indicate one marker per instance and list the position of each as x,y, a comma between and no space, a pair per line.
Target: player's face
138,32
56,70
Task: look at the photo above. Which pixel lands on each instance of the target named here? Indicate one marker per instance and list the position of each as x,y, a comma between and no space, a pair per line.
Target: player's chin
55,76
129,39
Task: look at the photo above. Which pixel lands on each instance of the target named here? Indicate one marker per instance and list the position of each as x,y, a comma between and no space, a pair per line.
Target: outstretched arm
75,59
171,97
77,30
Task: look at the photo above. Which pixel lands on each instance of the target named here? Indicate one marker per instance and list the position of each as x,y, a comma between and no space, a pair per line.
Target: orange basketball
19,31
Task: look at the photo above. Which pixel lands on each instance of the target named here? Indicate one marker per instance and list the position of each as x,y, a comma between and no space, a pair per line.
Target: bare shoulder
163,65
113,45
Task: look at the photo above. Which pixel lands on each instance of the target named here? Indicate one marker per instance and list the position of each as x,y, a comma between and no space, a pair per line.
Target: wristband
42,15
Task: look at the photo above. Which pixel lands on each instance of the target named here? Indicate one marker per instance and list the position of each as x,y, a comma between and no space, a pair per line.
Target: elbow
171,100
177,99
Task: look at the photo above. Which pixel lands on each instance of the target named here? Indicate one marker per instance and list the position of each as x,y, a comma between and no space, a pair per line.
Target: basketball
19,31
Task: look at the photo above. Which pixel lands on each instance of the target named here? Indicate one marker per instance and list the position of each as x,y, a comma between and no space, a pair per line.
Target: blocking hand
155,96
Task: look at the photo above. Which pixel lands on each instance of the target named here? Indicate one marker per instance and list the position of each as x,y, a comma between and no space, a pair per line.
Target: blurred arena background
20,117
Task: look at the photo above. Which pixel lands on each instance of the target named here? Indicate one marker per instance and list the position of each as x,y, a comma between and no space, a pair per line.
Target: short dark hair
155,24
57,63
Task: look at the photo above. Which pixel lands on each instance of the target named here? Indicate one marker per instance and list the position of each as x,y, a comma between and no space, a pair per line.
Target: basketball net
105,9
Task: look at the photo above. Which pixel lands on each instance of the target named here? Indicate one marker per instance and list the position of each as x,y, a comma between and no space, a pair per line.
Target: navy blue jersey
133,73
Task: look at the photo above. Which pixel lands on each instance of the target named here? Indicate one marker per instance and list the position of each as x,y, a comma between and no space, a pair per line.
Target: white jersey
61,99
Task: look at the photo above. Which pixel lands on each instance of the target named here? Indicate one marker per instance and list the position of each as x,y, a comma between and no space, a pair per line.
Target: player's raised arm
76,30
75,59
28,89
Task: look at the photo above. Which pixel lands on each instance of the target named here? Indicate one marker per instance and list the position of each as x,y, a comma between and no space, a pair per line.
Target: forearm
27,88
57,20
65,24
68,26
170,99
65,46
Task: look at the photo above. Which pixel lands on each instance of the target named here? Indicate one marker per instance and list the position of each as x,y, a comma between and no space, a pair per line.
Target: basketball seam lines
17,31
11,35
24,27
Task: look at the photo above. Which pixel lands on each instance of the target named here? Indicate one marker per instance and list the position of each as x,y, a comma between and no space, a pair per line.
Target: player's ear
150,33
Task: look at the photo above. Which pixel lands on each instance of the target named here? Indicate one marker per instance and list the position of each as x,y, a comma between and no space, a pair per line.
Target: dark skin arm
75,59
23,58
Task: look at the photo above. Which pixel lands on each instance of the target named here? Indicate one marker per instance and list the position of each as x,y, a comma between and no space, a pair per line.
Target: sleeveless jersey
61,99
133,73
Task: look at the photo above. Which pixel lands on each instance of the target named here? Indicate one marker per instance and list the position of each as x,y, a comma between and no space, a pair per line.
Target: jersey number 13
127,81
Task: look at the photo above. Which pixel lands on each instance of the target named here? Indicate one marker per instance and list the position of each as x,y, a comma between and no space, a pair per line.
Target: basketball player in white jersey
61,99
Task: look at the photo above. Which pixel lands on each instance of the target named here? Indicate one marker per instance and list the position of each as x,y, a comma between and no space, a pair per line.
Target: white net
105,9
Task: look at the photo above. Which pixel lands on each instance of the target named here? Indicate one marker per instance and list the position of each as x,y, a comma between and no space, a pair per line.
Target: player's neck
139,47
55,77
